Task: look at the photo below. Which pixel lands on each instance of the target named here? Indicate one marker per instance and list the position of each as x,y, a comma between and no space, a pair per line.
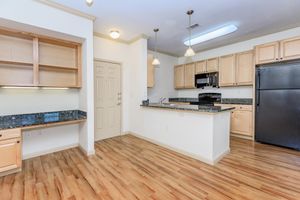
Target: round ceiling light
89,2
114,34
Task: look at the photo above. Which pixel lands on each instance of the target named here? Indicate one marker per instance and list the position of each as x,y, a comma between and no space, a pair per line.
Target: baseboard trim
41,153
200,158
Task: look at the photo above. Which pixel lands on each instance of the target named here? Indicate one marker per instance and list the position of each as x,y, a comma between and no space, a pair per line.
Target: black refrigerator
277,114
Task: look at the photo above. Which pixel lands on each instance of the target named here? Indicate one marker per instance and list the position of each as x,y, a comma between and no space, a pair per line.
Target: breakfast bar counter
201,132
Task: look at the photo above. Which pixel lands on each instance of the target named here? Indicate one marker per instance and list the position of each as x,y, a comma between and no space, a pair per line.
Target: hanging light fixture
155,61
189,52
89,2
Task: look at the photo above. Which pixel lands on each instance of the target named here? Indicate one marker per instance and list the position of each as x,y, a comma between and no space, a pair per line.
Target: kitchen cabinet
212,65
31,60
244,68
189,76
179,76
227,70
288,49
241,122
150,72
267,53
10,150
200,67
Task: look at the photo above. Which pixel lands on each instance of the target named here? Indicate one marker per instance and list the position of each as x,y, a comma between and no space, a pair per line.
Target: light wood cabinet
179,76
244,68
189,76
267,53
212,65
290,49
150,72
227,70
28,59
10,150
241,121
200,67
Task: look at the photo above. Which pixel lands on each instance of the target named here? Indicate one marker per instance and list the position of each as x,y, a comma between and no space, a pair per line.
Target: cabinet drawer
10,133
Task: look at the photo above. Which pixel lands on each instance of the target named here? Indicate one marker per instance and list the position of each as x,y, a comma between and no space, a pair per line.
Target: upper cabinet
179,76
278,51
290,49
227,70
189,75
30,60
244,68
150,72
200,67
236,69
212,65
267,53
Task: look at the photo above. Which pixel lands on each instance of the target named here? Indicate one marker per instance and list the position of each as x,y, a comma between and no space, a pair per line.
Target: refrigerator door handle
258,88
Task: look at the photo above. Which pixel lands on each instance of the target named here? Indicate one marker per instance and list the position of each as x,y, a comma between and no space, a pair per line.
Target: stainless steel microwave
208,79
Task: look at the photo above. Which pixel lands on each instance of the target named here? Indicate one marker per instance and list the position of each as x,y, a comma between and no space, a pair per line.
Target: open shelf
57,67
15,63
28,59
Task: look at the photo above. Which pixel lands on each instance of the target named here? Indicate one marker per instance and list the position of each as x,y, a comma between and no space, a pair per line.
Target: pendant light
89,2
155,61
189,52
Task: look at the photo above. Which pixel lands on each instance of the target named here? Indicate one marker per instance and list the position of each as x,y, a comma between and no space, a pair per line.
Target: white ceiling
135,17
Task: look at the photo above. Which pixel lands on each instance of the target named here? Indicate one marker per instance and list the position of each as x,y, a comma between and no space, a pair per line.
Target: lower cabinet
241,122
10,150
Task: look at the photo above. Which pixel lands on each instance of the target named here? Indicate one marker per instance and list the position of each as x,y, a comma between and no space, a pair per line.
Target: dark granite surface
242,101
207,109
23,120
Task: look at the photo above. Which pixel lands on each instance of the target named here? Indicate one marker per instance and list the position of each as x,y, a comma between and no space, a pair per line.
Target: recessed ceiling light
89,2
212,35
114,34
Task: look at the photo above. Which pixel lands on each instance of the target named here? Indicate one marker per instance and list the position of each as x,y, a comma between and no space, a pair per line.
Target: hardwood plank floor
130,168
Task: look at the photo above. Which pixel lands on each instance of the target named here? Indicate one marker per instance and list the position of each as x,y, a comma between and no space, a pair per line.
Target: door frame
121,86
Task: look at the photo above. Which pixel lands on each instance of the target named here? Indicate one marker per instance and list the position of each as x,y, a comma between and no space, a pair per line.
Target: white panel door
107,100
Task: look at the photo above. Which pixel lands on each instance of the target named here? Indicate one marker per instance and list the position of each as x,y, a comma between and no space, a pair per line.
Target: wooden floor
130,168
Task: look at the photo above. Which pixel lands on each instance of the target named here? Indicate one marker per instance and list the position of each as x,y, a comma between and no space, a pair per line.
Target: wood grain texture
130,168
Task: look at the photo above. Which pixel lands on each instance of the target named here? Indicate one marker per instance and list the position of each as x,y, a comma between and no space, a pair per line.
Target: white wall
163,78
40,18
238,92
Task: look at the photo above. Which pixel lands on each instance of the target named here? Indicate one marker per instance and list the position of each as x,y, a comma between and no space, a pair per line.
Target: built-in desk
11,127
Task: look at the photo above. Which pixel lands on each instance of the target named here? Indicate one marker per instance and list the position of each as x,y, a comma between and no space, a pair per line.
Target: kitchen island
201,132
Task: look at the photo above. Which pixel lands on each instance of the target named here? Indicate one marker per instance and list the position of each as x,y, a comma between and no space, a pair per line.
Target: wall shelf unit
27,59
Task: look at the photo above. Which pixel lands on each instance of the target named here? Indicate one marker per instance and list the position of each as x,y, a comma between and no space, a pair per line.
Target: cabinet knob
0,135
18,141
276,58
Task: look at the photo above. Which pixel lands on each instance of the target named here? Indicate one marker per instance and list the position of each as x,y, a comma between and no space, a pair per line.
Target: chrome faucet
161,100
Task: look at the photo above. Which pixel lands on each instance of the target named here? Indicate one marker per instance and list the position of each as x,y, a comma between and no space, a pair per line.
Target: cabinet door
179,76
227,70
150,72
290,49
212,65
200,67
244,68
241,122
189,75
267,53
10,154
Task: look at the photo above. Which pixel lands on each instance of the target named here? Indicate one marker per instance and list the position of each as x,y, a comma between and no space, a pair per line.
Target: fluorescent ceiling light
212,35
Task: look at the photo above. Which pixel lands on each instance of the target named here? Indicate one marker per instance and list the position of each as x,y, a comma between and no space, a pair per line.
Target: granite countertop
33,119
241,101
206,109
